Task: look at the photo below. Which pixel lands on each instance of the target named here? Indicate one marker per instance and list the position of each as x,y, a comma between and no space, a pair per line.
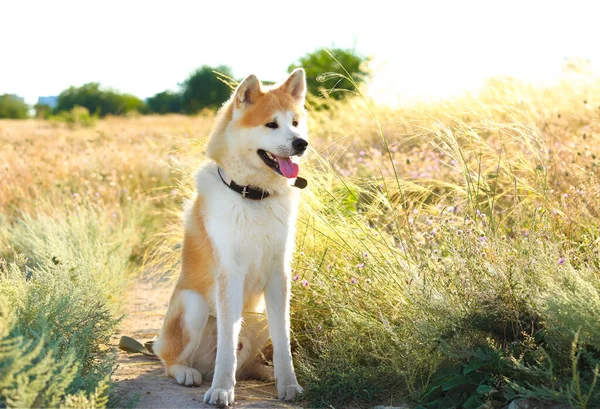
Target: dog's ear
247,92
295,85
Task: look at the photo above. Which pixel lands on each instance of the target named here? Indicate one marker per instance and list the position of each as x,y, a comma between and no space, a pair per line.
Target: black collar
254,193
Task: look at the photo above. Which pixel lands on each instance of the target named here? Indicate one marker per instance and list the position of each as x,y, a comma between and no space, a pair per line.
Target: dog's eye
295,123
272,125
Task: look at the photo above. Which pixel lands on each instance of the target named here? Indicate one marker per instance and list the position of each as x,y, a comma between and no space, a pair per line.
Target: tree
165,102
98,101
325,75
13,107
204,89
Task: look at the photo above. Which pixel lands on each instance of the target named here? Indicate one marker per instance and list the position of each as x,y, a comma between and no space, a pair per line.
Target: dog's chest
254,234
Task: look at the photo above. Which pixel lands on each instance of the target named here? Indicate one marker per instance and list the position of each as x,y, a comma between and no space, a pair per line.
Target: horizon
425,50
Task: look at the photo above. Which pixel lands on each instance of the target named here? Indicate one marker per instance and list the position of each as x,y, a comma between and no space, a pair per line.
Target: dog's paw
184,375
219,397
288,391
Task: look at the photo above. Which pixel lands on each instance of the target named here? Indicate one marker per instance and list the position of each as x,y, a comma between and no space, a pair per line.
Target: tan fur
175,335
197,257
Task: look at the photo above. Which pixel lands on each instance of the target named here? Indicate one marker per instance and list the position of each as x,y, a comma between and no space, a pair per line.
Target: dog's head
260,132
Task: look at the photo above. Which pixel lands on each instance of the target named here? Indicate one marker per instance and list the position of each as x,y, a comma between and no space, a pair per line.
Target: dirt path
140,381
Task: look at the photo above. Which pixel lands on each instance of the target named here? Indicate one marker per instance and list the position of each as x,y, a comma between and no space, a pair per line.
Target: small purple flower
75,195
365,255
329,267
360,265
304,283
561,260
353,280
296,277
362,153
319,327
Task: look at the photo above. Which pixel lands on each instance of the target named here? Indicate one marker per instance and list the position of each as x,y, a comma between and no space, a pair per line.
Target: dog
238,246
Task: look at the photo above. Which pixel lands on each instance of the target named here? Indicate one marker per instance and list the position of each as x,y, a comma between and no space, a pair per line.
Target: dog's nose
299,144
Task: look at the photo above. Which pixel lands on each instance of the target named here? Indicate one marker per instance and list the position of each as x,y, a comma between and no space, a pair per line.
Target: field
448,253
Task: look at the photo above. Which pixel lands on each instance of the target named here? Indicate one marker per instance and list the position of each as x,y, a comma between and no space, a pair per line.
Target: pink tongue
287,167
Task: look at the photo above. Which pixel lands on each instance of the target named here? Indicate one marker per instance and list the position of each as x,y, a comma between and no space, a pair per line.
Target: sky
418,49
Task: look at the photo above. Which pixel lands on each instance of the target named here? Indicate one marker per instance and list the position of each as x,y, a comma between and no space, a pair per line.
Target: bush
13,108
42,111
76,117
57,303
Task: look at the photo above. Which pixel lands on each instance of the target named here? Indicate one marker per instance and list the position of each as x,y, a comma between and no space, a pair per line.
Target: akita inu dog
238,245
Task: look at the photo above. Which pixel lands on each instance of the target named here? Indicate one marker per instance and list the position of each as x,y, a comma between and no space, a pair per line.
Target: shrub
76,117
57,305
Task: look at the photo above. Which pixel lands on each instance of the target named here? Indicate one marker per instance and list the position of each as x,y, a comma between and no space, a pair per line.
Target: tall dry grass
447,252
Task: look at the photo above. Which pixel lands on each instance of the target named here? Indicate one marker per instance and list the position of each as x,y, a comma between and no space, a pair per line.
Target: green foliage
42,111
203,89
13,108
333,73
76,117
165,102
98,101
57,304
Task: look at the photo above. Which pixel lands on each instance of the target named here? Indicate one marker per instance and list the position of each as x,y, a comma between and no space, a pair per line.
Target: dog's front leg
277,297
229,297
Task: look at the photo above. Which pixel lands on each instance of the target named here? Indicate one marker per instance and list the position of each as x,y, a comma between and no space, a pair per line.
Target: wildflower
304,283
75,195
360,265
296,277
365,255
353,280
565,195
319,327
482,239
329,267
561,260
362,153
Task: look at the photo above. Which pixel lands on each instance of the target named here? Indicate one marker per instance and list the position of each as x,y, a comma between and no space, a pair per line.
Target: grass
448,252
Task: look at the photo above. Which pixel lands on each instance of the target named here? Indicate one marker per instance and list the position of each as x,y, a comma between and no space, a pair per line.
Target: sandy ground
140,382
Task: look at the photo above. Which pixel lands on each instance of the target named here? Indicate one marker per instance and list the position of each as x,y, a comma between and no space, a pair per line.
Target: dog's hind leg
181,335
